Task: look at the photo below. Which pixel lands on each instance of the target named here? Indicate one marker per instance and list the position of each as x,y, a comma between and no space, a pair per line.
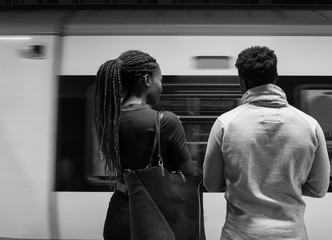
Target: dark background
165,3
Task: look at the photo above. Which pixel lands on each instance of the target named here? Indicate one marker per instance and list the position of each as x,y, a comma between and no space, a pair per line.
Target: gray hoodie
266,154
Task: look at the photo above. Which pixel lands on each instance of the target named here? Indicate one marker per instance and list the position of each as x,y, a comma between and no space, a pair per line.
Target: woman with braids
265,154
126,89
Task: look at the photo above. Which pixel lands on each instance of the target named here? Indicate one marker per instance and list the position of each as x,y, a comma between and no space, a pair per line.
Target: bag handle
158,119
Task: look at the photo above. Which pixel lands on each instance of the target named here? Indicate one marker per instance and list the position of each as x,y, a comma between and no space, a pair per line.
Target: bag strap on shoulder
158,120
158,127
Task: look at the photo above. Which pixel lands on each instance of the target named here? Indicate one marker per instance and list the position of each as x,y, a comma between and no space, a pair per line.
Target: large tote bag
164,205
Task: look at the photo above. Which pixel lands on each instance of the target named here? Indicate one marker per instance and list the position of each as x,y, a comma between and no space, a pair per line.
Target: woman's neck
132,100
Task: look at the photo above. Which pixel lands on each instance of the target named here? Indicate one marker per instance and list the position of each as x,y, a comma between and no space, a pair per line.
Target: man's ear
243,85
146,80
276,78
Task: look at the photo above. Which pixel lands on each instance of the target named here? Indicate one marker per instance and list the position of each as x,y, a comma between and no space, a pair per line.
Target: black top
136,136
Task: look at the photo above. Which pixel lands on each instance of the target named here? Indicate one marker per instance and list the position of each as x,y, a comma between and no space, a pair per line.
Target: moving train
51,184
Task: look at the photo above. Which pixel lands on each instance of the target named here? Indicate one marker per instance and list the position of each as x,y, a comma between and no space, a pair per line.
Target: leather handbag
164,205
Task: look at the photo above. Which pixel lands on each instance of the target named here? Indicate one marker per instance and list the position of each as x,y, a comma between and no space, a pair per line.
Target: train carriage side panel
84,54
297,55
28,46
27,103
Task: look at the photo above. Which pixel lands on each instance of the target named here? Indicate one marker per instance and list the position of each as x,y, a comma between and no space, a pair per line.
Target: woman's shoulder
171,121
170,116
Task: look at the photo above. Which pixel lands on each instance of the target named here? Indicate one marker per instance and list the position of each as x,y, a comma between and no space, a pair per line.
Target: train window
316,100
197,100
317,103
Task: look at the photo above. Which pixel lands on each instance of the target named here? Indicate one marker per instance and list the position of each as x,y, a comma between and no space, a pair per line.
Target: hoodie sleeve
318,179
213,166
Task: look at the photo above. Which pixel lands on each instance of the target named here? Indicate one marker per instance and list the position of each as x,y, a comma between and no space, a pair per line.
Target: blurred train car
51,184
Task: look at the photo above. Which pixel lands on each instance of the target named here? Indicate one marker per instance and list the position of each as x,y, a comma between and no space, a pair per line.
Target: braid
114,78
107,111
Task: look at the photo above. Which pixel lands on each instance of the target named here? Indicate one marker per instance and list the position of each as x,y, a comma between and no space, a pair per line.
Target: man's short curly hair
257,64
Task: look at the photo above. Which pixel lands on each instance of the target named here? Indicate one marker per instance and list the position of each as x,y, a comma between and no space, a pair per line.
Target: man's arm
213,166
318,180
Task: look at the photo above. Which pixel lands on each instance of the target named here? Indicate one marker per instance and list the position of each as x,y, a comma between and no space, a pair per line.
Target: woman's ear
146,80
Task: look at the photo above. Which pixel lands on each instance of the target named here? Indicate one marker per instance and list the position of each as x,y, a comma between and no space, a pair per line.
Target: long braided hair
115,79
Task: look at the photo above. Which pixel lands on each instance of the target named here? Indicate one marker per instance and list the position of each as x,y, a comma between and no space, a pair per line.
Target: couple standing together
265,154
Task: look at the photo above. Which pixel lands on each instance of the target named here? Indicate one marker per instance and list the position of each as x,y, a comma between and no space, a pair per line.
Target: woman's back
136,138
